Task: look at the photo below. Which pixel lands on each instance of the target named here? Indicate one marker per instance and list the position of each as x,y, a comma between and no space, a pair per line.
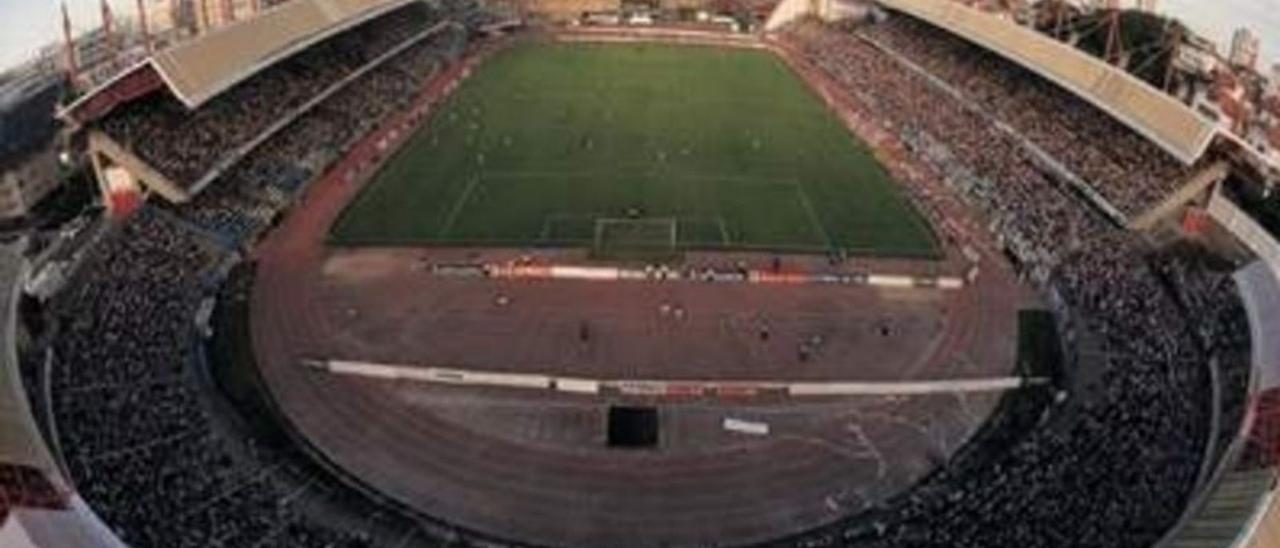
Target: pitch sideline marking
813,217
546,227
457,207
724,230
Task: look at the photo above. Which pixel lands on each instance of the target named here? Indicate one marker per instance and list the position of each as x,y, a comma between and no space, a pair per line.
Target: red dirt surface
532,466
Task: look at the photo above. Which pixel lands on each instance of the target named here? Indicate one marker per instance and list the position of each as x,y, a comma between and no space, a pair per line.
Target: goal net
652,239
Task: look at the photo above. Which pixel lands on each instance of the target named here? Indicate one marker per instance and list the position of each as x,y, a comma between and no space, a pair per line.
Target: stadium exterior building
29,168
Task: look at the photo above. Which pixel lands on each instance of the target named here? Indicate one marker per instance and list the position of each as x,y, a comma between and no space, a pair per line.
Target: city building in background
30,154
1244,48
167,17
29,151
117,44
223,12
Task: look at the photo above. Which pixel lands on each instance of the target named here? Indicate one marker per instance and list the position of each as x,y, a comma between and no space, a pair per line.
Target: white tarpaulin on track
668,387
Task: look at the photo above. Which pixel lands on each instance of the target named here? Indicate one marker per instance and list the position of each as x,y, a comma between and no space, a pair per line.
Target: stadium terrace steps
1227,512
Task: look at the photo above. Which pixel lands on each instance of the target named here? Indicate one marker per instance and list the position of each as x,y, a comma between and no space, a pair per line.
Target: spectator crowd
141,438
135,431
1113,469
186,146
1117,466
242,202
1129,171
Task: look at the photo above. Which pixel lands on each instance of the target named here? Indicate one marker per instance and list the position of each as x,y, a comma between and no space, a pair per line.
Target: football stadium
544,273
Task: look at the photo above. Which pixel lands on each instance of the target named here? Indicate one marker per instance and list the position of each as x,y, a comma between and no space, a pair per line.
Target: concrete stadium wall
1260,290
788,11
1238,222
663,35
568,9
22,443
77,526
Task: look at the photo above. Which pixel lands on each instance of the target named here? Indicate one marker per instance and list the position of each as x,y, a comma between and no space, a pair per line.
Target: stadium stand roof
1164,120
201,68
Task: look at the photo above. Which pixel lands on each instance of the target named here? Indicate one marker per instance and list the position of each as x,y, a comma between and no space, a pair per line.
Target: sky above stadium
27,25
1218,19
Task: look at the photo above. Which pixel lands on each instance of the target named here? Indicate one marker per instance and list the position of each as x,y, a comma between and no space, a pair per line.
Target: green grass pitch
545,139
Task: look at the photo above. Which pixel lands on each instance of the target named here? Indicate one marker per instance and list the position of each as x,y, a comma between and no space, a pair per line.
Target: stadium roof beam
1195,186
1150,112
117,167
234,156
200,69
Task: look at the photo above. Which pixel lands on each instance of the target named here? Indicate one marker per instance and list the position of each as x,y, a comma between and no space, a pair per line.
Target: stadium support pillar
1195,186
202,18
228,12
109,30
827,10
123,176
145,28
73,66
788,11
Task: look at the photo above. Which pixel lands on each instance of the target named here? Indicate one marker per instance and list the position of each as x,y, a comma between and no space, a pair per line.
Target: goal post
647,239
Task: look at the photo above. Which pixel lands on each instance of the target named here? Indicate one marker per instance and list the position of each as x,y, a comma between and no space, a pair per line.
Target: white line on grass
764,181
546,228
724,230
457,207
813,216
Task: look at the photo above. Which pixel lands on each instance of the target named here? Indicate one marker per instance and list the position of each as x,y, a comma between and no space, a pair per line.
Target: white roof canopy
1150,112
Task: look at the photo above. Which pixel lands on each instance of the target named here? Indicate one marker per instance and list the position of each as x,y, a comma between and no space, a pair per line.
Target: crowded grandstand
1169,374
